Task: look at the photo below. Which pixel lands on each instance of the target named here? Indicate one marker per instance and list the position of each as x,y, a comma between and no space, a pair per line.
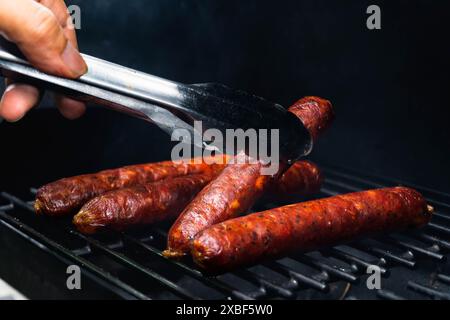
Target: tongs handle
101,74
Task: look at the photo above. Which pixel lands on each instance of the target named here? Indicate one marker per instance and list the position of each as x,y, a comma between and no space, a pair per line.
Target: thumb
38,34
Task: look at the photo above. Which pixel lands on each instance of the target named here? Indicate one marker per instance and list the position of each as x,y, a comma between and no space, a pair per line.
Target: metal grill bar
134,265
266,288
297,277
66,256
442,216
369,179
265,285
406,261
434,240
212,282
403,250
332,270
439,228
352,259
436,294
444,278
415,248
388,295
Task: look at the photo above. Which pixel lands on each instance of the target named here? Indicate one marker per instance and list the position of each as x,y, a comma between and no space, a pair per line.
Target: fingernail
73,60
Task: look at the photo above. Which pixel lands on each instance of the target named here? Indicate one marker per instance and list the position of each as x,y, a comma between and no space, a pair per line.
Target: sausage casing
308,226
140,204
164,200
240,184
67,195
302,179
316,114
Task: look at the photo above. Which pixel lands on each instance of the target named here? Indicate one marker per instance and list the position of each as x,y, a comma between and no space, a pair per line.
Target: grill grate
413,264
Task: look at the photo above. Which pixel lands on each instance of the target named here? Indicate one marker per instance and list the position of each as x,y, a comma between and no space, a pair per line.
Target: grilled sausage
164,200
316,114
308,226
302,179
67,195
141,204
233,192
239,185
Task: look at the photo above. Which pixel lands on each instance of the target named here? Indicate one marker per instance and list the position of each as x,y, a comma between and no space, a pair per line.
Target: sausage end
316,113
39,207
84,222
173,254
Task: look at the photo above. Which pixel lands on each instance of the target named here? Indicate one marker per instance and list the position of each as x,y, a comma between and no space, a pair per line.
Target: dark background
389,86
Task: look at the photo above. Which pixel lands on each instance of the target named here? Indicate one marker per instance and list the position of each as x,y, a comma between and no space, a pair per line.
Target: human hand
43,31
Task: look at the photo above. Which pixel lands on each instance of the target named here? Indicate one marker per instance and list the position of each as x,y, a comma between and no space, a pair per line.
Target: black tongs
168,104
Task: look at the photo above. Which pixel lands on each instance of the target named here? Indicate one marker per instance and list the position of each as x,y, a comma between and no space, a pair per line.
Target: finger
70,108
17,99
9,81
40,37
59,9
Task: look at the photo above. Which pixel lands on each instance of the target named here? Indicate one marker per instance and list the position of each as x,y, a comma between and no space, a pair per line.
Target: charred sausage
308,226
239,185
141,204
316,114
302,179
67,195
233,192
164,200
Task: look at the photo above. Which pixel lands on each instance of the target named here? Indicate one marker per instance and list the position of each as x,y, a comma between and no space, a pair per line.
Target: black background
389,86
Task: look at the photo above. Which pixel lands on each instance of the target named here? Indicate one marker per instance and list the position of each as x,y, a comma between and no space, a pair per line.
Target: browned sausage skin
164,200
67,195
220,200
316,113
138,205
307,226
303,178
240,184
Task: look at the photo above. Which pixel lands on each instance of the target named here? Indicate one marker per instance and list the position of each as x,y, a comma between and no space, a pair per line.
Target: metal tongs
168,104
